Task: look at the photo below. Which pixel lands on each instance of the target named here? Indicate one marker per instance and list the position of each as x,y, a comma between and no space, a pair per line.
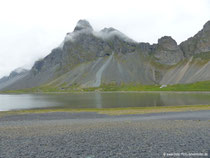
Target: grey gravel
90,135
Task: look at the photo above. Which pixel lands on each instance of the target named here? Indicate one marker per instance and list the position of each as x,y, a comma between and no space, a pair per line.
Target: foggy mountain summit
87,58
83,25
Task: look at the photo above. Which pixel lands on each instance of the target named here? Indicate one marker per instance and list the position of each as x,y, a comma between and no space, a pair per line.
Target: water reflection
100,100
24,101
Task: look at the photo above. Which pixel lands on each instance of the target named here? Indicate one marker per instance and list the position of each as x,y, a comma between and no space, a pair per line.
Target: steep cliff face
167,51
87,58
200,43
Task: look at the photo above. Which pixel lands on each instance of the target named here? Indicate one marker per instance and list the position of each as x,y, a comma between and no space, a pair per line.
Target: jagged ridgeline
87,58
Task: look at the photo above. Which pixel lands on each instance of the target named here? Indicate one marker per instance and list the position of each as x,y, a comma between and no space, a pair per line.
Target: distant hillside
14,76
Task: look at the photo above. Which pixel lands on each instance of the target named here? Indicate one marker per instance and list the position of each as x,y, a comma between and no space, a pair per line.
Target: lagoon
101,100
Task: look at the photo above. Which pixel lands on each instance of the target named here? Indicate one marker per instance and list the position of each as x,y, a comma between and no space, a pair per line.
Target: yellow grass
115,111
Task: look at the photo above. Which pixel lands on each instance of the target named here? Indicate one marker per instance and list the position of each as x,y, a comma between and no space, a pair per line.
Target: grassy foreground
115,111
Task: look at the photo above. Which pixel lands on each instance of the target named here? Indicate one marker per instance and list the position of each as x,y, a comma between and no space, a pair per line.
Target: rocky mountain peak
167,51
199,43
167,42
206,27
82,28
83,25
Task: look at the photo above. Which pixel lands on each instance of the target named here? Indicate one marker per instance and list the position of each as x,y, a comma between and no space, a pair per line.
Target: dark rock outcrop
167,51
200,43
83,25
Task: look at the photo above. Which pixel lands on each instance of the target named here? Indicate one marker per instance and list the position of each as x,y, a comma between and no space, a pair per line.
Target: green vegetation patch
124,87
197,86
115,111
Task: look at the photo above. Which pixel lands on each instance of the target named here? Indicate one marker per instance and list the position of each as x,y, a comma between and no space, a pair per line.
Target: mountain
14,76
200,43
87,58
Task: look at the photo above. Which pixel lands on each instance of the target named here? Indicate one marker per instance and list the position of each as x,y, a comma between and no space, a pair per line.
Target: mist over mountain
87,58
15,75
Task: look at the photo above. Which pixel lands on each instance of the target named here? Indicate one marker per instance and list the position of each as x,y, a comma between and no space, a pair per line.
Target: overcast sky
29,29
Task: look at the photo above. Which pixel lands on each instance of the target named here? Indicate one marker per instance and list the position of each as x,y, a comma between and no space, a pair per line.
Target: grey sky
29,29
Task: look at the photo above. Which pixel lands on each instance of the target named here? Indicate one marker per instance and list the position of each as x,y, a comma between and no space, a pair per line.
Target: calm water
100,100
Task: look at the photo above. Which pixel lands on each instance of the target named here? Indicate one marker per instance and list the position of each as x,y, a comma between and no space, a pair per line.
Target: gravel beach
92,135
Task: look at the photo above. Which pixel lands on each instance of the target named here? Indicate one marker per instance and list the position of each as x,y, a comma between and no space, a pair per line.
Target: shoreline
91,117
194,92
114,111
